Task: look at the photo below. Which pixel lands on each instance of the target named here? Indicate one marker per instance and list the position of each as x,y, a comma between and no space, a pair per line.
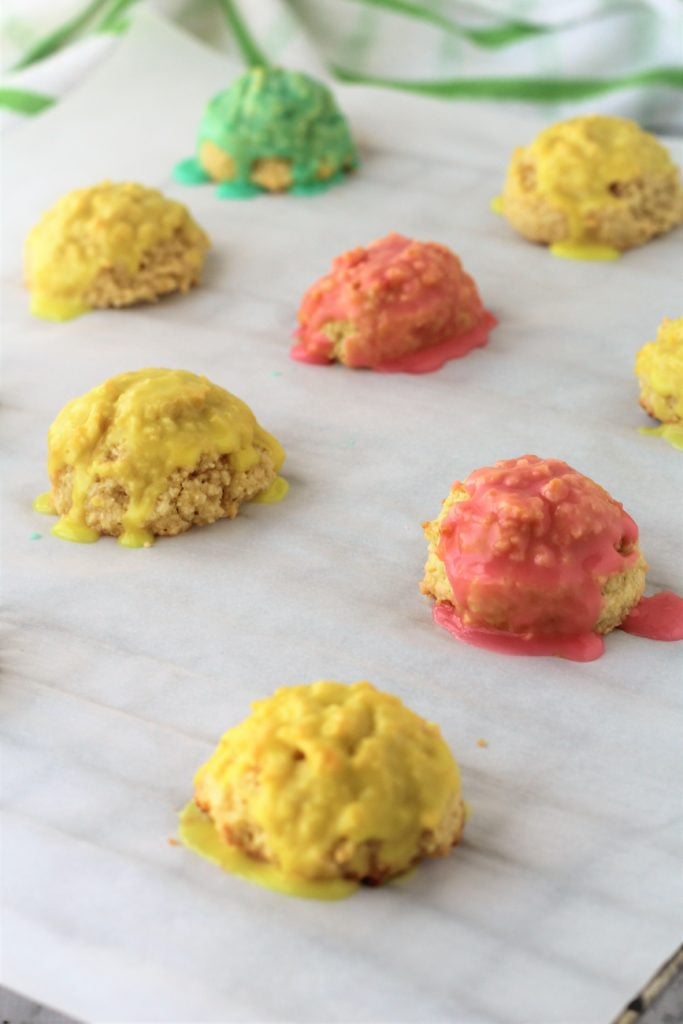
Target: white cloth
624,43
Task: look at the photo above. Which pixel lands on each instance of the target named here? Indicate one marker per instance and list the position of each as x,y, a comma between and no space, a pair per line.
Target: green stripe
65,33
23,102
539,90
497,35
115,19
251,51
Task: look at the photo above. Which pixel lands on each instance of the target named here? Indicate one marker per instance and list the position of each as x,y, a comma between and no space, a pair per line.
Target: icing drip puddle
425,360
659,617
198,834
591,252
574,647
585,251
191,172
671,432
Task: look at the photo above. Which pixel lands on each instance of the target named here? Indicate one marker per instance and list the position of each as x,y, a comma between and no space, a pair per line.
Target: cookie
328,782
394,305
152,453
111,245
530,556
592,187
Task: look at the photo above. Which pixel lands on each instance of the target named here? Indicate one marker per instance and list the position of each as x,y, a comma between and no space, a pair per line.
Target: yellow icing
77,532
496,204
584,251
579,167
134,538
107,228
671,432
322,775
155,421
198,834
659,366
45,504
58,309
274,493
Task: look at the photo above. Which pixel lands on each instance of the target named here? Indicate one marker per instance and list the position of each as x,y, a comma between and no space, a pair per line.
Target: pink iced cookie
395,305
531,557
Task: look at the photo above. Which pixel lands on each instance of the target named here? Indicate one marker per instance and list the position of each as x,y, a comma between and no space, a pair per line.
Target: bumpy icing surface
135,430
269,114
396,304
529,547
333,781
110,231
584,168
659,366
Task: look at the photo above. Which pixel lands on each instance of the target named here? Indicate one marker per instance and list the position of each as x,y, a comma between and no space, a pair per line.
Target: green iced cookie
272,130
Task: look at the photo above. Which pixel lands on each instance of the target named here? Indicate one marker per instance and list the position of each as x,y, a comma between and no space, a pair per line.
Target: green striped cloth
620,56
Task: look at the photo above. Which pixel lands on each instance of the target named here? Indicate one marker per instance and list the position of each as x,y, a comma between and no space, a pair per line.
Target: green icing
190,172
312,188
270,112
238,190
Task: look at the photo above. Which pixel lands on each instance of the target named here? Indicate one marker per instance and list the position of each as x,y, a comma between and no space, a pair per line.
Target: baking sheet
122,668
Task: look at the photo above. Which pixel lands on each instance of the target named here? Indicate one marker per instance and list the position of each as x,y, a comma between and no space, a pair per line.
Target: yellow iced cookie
326,782
592,187
111,245
659,368
152,453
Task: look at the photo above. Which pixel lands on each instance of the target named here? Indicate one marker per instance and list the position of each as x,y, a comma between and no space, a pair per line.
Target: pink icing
302,355
411,304
527,550
426,360
576,647
659,617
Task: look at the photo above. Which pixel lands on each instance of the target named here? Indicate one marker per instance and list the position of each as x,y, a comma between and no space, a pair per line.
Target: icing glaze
238,190
585,251
190,172
659,617
425,360
331,781
134,431
671,432
197,833
273,494
583,169
395,305
574,647
569,250
272,130
88,248
45,504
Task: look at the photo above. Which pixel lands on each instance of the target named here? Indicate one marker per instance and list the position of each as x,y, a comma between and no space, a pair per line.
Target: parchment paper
122,668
